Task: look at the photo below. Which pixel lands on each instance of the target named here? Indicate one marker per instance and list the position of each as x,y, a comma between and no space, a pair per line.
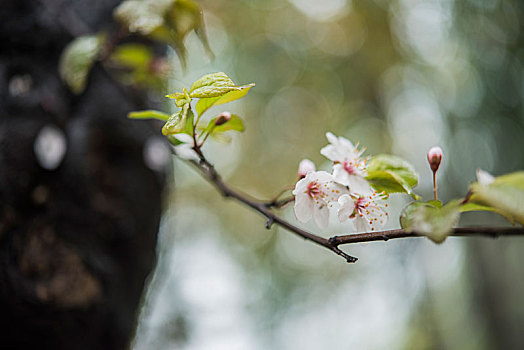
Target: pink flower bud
223,118
305,167
434,157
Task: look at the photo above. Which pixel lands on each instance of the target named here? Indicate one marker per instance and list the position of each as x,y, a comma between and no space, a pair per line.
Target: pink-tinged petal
340,175
347,206
358,184
361,224
303,207
321,216
306,166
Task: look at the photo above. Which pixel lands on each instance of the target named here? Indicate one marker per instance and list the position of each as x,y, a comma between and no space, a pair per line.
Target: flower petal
347,206
340,175
357,184
321,216
303,207
361,224
301,186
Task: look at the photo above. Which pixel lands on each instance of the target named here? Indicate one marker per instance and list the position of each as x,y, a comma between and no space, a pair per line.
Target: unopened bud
434,157
223,118
305,167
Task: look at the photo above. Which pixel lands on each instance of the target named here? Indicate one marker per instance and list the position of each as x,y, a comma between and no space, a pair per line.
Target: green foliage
168,21
392,174
149,114
215,88
136,56
205,103
78,58
505,194
431,219
177,122
469,207
138,66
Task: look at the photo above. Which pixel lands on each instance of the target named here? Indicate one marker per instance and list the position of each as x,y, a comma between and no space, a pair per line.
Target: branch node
333,241
269,223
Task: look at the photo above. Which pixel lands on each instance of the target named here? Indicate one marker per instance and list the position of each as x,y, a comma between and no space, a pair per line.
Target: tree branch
263,208
493,232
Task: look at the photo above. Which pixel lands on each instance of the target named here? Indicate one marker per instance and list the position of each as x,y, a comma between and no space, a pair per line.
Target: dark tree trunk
76,242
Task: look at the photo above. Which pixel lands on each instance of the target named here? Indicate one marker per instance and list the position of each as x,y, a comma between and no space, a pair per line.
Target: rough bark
77,242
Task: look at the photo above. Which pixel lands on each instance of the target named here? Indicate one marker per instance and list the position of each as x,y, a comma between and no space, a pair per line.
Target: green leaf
429,220
149,114
186,16
392,174
131,55
176,124
234,124
78,58
215,85
188,127
469,207
505,193
142,16
204,104
168,21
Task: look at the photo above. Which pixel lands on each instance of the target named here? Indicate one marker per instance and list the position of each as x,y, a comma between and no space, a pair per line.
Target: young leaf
177,122
391,174
469,207
204,104
78,58
149,114
505,193
215,85
431,221
188,127
235,124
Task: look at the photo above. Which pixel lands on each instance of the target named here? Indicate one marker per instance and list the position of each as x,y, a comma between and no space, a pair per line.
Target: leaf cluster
210,90
504,196
157,21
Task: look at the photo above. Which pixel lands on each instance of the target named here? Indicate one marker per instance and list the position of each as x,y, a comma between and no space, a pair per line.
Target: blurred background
398,77
84,191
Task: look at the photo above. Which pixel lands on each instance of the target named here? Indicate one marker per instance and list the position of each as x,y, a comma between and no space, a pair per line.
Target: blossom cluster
346,187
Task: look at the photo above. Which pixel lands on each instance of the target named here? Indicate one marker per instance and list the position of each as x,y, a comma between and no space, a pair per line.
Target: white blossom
349,168
367,211
314,194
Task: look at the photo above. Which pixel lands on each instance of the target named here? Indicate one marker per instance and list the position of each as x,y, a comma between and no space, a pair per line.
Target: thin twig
458,231
279,203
